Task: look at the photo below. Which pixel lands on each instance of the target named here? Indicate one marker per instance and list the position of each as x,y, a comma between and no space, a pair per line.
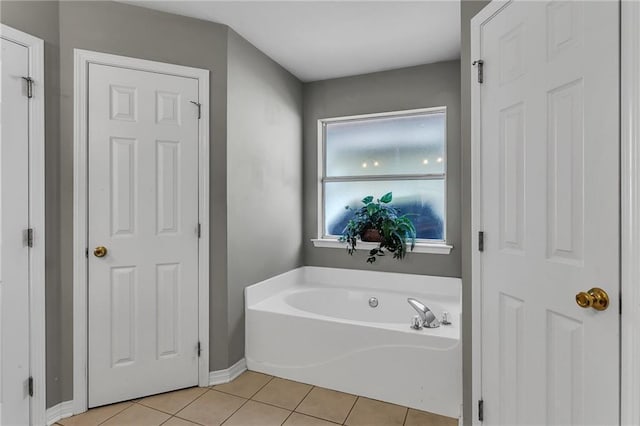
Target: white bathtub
315,325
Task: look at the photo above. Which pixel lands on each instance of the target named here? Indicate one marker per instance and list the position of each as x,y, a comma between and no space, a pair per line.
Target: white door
143,209
550,213
14,221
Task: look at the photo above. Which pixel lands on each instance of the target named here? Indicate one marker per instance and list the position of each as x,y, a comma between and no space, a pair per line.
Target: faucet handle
416,323
445,318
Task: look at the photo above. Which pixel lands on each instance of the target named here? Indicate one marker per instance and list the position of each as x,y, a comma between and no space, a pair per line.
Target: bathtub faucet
427,318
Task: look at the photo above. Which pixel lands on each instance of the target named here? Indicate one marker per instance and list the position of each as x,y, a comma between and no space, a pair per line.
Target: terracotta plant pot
371,236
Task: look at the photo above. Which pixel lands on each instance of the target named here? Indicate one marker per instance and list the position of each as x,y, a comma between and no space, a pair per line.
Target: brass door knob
100,251
595,298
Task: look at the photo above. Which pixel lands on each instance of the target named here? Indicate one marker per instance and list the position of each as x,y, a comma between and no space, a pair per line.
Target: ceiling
317,40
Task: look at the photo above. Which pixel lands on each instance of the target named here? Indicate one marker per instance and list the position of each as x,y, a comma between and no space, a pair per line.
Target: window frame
422,244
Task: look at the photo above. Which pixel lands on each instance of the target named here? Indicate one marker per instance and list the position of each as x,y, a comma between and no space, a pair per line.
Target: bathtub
314,325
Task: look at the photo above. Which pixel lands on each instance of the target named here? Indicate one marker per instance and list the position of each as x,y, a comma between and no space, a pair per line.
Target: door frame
629,210
37,345
477,21
82,59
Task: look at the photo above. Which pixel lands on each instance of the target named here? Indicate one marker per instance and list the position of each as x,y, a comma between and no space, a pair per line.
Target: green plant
394,228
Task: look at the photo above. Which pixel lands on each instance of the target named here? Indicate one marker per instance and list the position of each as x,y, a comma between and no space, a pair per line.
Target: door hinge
481,410
481,241
199,108
86,252
30,237
199,230
30,385
29,81
480,64
199,349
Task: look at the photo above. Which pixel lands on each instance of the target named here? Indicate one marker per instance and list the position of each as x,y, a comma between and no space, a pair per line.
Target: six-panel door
143,209
550,212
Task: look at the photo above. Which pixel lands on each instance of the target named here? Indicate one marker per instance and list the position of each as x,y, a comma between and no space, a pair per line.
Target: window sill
420,247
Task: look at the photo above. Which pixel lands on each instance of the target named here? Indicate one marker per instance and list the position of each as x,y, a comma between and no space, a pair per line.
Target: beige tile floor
256,399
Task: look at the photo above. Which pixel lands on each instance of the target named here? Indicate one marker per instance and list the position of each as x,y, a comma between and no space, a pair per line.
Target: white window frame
331,241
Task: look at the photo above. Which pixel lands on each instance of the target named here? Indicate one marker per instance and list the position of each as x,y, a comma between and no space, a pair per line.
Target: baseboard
65,408
225,376
59,411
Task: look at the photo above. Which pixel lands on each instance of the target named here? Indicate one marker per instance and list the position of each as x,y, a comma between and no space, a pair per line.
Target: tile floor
256,399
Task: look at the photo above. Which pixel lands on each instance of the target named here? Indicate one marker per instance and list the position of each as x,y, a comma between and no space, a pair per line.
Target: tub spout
427,318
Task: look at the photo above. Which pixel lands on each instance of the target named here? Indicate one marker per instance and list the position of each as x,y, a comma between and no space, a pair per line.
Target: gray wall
468,9
415,87
264,176
40,18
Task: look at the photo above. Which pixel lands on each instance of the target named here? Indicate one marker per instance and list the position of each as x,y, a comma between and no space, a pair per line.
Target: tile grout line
244,397
406,414
187,420
261,387
150,408
297,405
305,397
286,418
180,418
182,409
352,407
247,400
270,404
321,418
175,415
170,417
121,411
318,418
209,389
238,409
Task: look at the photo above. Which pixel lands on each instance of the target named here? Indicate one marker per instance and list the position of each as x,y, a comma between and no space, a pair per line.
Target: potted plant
382,223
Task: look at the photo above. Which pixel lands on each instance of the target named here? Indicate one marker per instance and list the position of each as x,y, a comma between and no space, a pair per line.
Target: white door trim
630,214
82,59
476,217
35,47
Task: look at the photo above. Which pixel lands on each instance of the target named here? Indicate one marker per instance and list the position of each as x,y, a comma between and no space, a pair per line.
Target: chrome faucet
427,318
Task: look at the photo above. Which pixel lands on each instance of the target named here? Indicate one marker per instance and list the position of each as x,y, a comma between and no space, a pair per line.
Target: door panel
14,220
550,211
143,207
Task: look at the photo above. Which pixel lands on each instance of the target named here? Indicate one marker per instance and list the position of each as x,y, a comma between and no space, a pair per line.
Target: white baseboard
65,409
59,411
225,376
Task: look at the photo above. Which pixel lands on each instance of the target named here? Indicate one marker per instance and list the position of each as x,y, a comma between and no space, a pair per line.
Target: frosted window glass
422,199
395,145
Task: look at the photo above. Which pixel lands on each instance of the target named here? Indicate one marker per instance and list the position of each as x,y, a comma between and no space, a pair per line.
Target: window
401,152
